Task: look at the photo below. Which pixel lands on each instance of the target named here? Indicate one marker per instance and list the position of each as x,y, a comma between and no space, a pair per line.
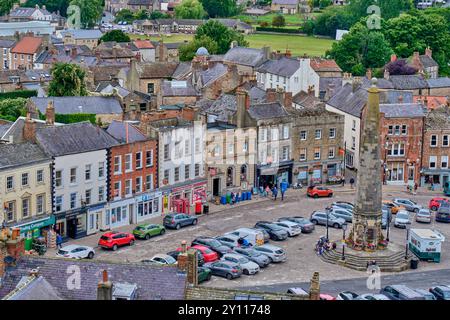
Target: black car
213,244
175,254
306,224
441,292
225,269
443,213
275,232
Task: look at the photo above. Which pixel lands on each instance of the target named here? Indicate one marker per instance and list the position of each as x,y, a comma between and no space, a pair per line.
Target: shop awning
269,171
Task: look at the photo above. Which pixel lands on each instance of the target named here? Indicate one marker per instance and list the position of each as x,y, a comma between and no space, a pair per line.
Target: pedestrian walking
416,186
343,181
59,241
275,193
352,181
283,187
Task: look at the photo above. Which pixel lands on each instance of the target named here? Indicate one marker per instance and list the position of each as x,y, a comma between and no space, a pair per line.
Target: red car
435,203
324,296
208,254
114,240
318,191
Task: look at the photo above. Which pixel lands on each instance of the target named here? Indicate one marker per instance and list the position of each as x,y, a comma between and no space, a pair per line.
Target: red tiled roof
324,65
433,102
28,45
143,44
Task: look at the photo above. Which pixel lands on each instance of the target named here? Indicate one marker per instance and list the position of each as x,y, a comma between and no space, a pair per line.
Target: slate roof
324,83
348,101
73,138
178,89
173,45
27,12
114,50
382,83
20,154
16,129
182,70
36,289
210,75
6,43
71,105
285,67
140,2
223,107
402,110
245,56
441,82
305,100
83,33
4,127
438,119
153,282
408,82
156,70
267,110
427,61
7,76
117,129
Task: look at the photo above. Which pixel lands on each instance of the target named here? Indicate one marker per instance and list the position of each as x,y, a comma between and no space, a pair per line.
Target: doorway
216,187
131,213
72,228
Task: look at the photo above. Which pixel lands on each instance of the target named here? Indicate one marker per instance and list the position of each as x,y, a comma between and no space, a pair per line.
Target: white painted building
283,73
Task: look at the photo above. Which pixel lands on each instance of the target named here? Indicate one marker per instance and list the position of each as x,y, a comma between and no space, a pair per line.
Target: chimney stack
50,114
243,104
355,85
428,52
29,129
271,95
288,100
104,288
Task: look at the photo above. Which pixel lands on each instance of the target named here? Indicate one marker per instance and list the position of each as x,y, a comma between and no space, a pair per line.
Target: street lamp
386,146
389,217
344,227
328,213
407,238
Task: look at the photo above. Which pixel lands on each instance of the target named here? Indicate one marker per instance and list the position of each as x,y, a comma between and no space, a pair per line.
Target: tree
67,80
278,21
91,11
308,27
6,6
220,8
158,15
11,109
187,51
124,15
400,67
388,8
222,35
140,15
361,48
190,9
333,18
325,3
115,35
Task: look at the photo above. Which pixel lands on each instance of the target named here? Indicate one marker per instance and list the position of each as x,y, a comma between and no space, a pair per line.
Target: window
87,172
40,176
245,145
197,145
332,133
274,134
128,190
390,130
101,194
263,133
318,134
128,167
58,178
285,132
88,195
317,153
101,169
354,125
58,203
397,130
285,153
138,184
445,142
117,164
40,204
177,174
353,143
433,160
197,169
117,189
166,174
150,88
230,148
433,141
149,158
24,179
9,183
25,207
178,150
187,147
444,162
73,200
166,152
10,211
73,175
149,182
331,152
187,173
303,154
404,129
138,160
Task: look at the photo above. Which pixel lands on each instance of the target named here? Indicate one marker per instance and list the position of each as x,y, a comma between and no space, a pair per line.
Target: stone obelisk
366,225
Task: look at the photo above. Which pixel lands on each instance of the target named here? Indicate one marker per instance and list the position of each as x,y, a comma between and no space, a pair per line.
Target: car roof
269,246
73,246
233,255
161,255
407,291
289,223
200,247
229,235
298,290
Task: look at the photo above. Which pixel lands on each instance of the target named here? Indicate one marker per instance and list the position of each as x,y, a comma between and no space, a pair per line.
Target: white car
424,215
161,259
402,219
76,252
370,296
293,229
248,267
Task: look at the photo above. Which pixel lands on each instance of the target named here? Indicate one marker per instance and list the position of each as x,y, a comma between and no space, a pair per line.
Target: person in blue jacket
283,187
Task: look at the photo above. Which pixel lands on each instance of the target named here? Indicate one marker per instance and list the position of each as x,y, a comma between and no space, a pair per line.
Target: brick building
25,52
401,127
436,147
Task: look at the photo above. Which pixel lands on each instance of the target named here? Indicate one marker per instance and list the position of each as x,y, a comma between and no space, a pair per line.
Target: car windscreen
104,238
279,251
403,215
213,243
170,260
274,227
243,260
139,228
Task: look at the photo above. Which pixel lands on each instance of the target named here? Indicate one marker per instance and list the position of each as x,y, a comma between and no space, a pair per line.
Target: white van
255,237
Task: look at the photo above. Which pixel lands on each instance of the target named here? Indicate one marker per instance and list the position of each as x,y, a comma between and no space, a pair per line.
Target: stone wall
205,293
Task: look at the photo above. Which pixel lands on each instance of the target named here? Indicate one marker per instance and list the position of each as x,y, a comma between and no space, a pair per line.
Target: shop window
244,172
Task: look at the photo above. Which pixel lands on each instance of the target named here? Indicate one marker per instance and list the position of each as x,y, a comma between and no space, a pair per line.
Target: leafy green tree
190,9
6,6
308,27
91,11
67,80
220,8
222,35
388,8
278,21
333,18
187,51
115,35
125,15
141,15
325,3
158,15
11,109
51,5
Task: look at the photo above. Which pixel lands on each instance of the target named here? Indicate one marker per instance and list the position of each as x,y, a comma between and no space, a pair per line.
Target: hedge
278,30
18,94
72,118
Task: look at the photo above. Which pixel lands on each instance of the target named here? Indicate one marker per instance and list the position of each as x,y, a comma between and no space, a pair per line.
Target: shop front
148,205
182,198
395,173
119,213
95,217
72,224
437,178
269,175
35,227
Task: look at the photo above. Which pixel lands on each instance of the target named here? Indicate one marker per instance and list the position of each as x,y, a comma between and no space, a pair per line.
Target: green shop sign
37,224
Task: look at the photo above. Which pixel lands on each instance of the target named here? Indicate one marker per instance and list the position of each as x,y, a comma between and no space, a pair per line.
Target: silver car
424,215
248,267
370,296
318,217
293,229
261,259
408,204
76,252
345,214
276,254
402,219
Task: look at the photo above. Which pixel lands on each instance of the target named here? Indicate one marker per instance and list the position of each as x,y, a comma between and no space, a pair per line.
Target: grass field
297,44
291,19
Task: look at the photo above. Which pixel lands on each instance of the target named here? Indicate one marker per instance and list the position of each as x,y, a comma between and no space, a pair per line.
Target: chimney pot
105,275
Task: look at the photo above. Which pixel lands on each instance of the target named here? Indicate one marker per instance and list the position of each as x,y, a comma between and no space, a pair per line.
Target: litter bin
414,263
205,208
223,200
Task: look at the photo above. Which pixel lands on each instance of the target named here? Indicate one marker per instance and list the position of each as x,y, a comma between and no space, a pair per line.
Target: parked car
443,213
275,254
176,253
114,240
393,206
204,274
346,295
318,191
401,292
178,220
253,255
435,203
229,240
344,204
207,253
318,217
297,291
402,219
306,224
248,267
424,215
386,217
370,296
145,231
224,269
342,213
254,237
76,252
426,294
266,235
324,296
293,229
161,259
441,292
275,232
212,243
408,204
